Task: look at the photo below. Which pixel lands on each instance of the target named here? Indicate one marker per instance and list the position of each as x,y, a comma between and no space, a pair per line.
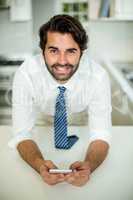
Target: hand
80,175
50,179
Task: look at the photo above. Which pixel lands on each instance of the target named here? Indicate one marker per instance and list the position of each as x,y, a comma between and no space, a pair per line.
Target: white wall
42,11
22,37
111,39
15,37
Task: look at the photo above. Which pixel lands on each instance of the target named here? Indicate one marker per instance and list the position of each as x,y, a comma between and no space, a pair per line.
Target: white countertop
113,180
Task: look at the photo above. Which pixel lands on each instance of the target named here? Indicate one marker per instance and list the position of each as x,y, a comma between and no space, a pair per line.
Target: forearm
96,153
30,152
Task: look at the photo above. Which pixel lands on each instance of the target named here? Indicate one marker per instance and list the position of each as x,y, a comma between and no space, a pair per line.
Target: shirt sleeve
100,111
23,109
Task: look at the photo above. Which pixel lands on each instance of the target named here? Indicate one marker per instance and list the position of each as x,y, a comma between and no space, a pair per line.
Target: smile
64,70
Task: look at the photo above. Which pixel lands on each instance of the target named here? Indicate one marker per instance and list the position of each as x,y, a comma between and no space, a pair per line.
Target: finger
47,164
43,172
70,179
79,174
60,179
84,173
43,168
57,177
53,179
49,178
50,181
85,165
50,165
78,181
67,176
76,165
73,175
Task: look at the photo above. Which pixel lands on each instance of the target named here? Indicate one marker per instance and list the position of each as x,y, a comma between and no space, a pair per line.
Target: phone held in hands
63,171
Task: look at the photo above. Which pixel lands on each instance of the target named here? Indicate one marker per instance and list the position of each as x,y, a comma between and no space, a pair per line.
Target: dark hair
64,24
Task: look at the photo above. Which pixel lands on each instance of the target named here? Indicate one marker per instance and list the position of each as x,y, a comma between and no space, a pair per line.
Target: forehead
61,40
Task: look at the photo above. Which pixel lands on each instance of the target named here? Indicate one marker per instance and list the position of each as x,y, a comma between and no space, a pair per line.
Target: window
75,8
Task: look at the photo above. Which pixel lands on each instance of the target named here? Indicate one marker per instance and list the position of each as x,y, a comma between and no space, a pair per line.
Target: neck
62,82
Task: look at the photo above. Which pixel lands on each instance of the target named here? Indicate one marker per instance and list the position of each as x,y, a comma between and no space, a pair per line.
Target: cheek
50,59
73,59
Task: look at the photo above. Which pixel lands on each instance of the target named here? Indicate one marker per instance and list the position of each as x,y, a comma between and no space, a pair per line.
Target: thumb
43,167
76,165
49,164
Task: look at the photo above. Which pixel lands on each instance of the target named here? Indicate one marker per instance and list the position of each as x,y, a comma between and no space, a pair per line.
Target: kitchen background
109,24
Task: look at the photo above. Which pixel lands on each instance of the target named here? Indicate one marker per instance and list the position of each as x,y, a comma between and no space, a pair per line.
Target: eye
71,51
53,50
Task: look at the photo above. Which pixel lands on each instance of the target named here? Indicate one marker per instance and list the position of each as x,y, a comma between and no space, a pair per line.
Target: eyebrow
53,47
73,49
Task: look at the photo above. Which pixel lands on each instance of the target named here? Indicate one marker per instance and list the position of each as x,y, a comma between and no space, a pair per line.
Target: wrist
38,163
89,165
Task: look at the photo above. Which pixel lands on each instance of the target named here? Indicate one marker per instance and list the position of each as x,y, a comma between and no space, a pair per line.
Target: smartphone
63,171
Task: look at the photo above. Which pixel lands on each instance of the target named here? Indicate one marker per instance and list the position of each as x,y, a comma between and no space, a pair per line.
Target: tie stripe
62,141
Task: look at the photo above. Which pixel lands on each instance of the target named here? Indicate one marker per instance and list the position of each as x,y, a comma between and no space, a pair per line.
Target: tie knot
62,89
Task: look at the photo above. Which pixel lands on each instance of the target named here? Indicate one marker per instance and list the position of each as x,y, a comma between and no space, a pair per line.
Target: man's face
61,55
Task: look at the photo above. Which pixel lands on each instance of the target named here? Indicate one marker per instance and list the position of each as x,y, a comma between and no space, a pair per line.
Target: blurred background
109,24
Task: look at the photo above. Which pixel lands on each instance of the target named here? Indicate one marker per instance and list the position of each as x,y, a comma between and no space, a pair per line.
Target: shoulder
31,64
98,71
29,69
91,68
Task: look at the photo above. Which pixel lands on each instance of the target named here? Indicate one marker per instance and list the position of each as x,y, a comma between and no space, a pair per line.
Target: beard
62,72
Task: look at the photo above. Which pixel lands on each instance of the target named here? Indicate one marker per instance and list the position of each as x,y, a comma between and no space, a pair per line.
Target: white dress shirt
35,91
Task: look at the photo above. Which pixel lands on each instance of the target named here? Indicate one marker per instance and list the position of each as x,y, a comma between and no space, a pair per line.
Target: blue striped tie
62,141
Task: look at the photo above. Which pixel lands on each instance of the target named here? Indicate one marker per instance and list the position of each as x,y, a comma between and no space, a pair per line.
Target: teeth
62,68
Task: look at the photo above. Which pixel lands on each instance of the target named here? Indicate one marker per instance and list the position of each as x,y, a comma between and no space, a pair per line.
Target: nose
62,59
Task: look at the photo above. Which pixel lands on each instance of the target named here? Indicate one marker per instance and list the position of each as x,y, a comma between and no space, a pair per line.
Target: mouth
62,70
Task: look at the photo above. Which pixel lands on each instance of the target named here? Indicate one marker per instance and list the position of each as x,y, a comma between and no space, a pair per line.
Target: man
55,80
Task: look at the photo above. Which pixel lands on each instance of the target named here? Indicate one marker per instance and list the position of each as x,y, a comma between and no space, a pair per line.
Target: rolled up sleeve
100,111
23,109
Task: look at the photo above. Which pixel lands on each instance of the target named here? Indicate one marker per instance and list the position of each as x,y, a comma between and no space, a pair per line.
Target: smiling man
61,55
57,82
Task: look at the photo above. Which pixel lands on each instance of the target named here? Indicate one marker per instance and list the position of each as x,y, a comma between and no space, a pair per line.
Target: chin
62,78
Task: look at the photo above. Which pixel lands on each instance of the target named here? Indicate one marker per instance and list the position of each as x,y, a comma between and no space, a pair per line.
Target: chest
76,100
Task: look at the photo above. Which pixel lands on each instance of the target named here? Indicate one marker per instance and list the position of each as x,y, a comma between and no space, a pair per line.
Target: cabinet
111,32
20,10
4,4
111,41
110,9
